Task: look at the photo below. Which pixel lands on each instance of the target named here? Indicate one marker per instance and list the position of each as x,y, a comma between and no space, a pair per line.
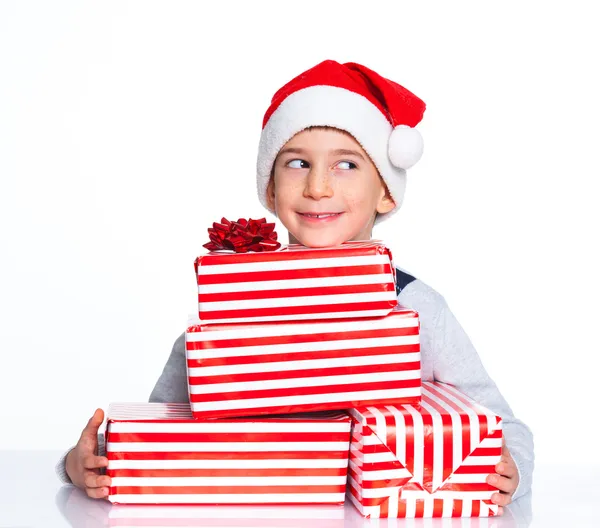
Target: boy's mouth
319,217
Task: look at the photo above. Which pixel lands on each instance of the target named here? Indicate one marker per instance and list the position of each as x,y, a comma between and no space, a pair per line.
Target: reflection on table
83,512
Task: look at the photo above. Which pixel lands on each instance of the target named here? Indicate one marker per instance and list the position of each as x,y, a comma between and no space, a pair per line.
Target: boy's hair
323,127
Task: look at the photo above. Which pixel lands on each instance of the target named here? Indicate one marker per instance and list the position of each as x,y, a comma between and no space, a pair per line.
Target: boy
335,145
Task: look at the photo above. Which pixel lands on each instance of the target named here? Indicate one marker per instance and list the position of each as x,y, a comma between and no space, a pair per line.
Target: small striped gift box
266,368
427,461
355,279
159,454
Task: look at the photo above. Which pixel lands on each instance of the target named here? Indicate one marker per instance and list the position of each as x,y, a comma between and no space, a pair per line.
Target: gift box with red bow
265,368
249,277
158,454
430,460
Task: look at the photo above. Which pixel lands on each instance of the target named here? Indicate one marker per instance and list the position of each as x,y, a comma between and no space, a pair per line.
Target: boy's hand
83,465
506,478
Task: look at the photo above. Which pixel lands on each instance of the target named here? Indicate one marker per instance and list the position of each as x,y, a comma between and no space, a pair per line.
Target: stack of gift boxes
305,388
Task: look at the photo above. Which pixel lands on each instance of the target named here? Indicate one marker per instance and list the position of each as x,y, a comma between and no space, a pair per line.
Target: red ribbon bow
242,236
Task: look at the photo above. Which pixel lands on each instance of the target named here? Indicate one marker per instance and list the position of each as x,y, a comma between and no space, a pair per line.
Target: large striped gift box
159,454
254,516
355,279
265,368
427,461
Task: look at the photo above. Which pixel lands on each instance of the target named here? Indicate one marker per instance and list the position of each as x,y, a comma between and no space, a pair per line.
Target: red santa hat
379,113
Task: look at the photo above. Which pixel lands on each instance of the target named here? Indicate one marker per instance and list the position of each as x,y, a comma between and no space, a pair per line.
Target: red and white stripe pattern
158,454
270,368
255,516
427,461
355,279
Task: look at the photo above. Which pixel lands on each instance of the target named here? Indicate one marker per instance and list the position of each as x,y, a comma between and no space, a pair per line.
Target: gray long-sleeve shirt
447,355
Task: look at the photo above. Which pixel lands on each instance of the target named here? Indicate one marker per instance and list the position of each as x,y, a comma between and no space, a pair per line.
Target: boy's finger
94,423
97,493
94,480
502,483
501,499
94,461
90,478
507,469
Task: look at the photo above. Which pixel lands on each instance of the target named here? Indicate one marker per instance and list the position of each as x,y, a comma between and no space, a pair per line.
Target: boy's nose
318,184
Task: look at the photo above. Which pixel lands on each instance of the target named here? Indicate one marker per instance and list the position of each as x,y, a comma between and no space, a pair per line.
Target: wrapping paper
430,461
266,368
296,516
355,279
158,454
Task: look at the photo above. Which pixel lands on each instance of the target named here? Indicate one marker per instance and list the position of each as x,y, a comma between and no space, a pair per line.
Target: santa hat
379,113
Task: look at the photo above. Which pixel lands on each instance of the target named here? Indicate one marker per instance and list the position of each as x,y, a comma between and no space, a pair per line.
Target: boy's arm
172,385
456,362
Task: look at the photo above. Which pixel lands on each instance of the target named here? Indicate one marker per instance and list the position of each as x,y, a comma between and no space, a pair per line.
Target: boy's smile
319,217
325,189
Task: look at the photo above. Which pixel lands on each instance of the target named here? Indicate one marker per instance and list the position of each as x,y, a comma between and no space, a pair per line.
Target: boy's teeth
320,215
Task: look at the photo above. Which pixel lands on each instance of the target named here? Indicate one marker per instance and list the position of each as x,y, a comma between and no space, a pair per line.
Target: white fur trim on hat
338,108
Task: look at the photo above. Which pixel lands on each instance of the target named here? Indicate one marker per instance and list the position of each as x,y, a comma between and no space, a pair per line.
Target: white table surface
31,495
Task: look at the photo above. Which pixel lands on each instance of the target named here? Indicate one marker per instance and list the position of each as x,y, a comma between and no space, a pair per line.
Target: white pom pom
405,146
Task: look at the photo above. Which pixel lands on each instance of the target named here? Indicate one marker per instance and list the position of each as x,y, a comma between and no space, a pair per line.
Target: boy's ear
386,202
271,193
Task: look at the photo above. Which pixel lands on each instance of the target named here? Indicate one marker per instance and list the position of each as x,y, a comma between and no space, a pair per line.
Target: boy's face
325,189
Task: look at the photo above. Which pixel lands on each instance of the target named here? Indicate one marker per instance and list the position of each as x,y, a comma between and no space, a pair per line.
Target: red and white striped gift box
427,461
267,368
159,454
355,279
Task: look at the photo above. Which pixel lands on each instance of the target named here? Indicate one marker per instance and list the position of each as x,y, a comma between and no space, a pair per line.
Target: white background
127,128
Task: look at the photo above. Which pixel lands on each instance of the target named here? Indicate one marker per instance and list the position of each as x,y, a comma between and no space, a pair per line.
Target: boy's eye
297,164
346,165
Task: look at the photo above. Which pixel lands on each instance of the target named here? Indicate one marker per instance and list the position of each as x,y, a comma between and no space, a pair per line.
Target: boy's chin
317,240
